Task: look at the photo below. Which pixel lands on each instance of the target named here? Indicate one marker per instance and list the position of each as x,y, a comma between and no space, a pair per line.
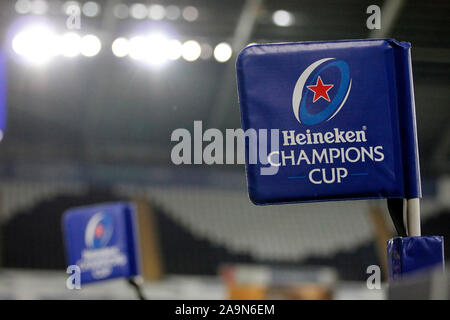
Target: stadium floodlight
90,45
138,48
121,47
70,45
36,44
157,49
39,7
190,13
23,6
71,6
174,49
223,52
191,50
282,18
121,11
156,12
91,9
138,11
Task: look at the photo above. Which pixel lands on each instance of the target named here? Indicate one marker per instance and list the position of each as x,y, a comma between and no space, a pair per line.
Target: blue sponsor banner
3,93
345,118
102,240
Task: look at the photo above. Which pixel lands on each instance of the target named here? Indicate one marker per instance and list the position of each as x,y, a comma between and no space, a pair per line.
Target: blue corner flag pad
410,255
339,117
102,241
3,92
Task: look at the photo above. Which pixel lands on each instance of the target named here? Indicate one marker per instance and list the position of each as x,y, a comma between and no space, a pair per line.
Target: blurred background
94,91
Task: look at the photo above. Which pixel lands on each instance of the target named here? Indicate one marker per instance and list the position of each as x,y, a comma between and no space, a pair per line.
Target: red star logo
320,90
98,231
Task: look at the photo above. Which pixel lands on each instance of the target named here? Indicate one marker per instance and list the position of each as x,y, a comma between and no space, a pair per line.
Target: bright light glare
156,12
174,49
191,50
154,49
223,52
158,49
190,13
121,11
23,6
70,45
282,18
138,48
121,47
37,44
138,11
90,45
71,7
39,7
91,9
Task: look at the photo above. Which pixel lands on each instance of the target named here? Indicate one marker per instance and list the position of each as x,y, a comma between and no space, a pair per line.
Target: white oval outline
343,101
90,230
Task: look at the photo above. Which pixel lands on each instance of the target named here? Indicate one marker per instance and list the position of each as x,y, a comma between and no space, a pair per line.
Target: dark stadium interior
59,120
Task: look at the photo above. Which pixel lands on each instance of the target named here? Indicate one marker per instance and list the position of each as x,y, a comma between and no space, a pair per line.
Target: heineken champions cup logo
311,100
319,95
100,256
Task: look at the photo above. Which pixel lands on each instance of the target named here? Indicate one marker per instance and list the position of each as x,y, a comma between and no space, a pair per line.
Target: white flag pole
413,217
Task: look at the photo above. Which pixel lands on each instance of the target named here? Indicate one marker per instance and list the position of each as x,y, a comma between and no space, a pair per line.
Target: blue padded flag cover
102,241
339,118
3,91
408,255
